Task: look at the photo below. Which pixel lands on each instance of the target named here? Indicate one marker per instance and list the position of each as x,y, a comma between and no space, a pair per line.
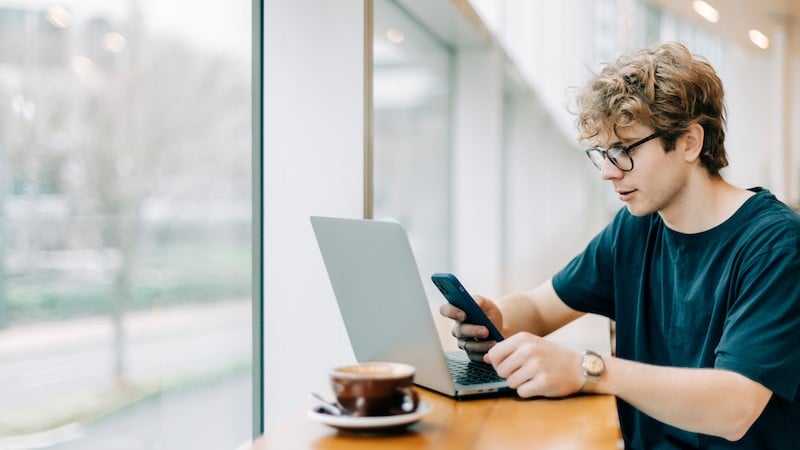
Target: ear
693,142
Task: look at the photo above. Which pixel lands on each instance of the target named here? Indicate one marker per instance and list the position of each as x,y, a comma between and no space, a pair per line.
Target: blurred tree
98,120
159,121
127,119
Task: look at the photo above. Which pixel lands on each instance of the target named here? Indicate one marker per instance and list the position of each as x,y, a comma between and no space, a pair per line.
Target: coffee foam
375,370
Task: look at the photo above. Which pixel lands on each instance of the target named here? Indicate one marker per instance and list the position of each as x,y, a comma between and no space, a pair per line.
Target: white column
313,165
477,170
780,93
792,96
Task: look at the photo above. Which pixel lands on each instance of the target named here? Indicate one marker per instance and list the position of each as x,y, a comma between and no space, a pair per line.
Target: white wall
313,165
552,195
553,207
748,139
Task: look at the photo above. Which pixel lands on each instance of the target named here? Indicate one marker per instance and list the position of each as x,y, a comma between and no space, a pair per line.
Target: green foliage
172,274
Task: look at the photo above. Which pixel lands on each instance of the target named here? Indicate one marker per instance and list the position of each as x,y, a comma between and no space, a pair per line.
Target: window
412,133
125,234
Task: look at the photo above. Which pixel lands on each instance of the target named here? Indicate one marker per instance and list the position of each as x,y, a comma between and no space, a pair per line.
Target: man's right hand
473,339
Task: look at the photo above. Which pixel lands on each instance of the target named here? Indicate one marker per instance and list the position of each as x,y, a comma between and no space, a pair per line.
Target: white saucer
372,422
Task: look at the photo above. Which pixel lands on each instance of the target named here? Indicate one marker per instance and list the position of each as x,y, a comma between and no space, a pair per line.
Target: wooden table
580,422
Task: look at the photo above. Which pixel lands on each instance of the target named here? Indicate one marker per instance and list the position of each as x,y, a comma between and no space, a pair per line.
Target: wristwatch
593,368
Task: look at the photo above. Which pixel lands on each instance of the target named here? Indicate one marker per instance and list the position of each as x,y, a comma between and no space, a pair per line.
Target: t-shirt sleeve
587,282
761,337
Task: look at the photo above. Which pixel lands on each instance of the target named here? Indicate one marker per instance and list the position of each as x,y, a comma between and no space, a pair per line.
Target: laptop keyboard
471,372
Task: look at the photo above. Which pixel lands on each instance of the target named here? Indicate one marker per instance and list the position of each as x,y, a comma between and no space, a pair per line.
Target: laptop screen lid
377,286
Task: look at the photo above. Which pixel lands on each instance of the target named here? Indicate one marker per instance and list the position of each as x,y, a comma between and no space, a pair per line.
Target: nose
609,171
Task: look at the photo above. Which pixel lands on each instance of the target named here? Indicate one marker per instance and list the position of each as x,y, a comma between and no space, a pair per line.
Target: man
701,277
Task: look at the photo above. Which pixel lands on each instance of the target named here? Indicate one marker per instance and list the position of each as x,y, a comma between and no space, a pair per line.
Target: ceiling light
759,38
395,36
58,16
706,11
113,42
82,65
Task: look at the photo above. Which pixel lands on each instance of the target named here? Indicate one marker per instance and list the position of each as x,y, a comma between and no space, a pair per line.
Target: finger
509,356
452,312
512,368
468,330
520,376
477,347
457,333
501,351
481,300
530,388
477,357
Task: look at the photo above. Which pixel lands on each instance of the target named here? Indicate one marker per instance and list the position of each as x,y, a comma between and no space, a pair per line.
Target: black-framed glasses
619,156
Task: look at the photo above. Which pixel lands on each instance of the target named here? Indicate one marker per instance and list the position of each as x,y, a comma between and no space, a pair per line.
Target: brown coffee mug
375,388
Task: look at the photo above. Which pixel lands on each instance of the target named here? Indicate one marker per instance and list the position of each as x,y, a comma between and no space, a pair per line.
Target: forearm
538,311
709,401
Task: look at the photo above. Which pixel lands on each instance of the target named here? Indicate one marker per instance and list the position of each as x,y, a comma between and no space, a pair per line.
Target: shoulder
768,217
765,227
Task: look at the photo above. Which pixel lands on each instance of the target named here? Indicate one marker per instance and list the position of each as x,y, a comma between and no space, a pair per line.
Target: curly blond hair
666,88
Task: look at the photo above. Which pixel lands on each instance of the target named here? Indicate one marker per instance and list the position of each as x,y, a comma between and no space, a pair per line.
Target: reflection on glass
124,229
411,133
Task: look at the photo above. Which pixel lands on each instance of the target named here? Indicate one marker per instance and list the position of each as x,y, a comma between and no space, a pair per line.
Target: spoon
329,407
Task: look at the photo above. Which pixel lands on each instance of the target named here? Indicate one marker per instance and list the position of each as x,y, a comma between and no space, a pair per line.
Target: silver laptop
385,310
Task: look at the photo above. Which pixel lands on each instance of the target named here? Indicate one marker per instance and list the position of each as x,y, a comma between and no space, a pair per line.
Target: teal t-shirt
727,298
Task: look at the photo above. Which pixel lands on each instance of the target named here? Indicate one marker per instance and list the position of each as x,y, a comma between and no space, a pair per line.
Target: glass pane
411,134
125,311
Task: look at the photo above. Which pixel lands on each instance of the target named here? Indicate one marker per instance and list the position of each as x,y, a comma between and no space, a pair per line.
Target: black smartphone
455,293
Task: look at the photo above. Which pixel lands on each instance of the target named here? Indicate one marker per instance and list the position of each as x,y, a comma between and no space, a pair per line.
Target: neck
704,203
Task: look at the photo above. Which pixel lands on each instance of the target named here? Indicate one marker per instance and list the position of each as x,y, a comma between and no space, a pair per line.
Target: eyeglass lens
619,156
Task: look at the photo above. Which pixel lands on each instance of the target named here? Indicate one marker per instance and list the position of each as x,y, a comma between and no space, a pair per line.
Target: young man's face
657,179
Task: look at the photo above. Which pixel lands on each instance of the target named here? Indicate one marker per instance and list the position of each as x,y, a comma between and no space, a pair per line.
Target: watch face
593,364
